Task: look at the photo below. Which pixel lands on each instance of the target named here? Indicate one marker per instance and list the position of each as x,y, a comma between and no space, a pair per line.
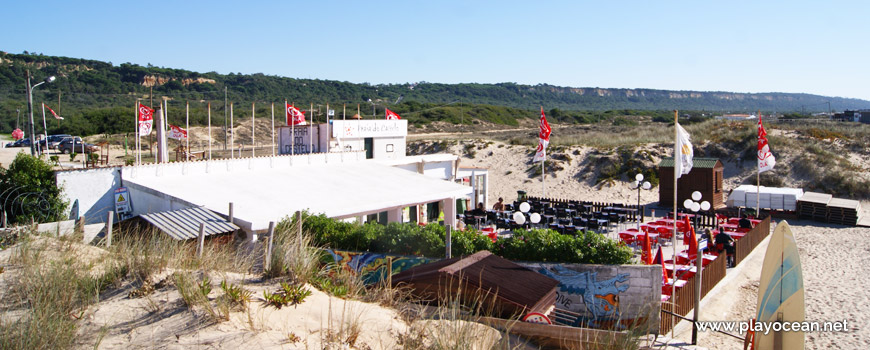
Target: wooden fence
596,206
747,243
684,299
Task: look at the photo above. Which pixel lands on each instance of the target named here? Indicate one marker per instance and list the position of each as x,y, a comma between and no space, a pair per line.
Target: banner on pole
146,120
766,161
543,138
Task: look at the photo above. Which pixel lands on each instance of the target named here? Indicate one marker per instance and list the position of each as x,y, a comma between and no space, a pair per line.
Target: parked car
20,143
70,145
54,140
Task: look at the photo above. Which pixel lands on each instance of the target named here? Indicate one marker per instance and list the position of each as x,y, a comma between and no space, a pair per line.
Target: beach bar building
361,175
705,177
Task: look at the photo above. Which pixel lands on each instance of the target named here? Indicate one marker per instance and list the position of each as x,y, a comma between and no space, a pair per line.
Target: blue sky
740,46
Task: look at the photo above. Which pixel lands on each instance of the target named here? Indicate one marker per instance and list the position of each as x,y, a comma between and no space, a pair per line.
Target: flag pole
253,123
136,130
543,174
273,129
232,144
187,130
209,130
757,175
45,128
310,138
292,130
677,153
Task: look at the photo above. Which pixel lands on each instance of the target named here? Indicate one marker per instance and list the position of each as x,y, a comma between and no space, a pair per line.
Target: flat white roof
337,190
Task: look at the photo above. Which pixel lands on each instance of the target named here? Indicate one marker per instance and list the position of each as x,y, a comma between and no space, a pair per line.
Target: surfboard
781,291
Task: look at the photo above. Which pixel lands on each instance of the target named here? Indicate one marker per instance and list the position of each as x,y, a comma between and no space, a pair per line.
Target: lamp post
640,184
693,205
30,109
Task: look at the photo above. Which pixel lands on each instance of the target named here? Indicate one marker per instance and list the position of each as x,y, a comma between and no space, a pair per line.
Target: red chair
628,238
665,232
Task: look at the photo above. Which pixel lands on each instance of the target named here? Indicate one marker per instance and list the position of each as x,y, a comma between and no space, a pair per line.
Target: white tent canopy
336,190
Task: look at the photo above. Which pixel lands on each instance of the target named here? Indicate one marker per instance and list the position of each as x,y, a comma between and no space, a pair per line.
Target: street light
693,205
639,183
30,109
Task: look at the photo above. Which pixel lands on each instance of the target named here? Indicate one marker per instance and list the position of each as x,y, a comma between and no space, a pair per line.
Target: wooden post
80,225
299,229
200,241
447,242
699,265
109,229
231,213
390,272
268,263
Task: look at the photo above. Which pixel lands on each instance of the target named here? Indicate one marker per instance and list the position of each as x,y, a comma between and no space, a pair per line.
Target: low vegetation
412,239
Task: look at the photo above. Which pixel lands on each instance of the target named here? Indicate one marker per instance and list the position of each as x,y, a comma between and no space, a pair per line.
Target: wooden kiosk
705,177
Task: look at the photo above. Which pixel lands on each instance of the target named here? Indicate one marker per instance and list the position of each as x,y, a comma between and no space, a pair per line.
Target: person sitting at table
499,206
708,236
479,210
744,222
728,243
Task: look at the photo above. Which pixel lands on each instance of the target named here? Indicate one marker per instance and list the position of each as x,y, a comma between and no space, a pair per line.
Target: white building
365,175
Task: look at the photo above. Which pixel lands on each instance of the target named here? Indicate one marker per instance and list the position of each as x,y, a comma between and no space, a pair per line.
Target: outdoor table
734,234
729,227
707,258
736,221
684,272
670,281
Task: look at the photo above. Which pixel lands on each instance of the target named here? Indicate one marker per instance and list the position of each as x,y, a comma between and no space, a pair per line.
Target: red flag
146,121
543,138
294,115
52,112
176,132
766,161
392,115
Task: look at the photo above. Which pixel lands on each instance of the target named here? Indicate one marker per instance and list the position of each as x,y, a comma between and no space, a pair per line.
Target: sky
738,46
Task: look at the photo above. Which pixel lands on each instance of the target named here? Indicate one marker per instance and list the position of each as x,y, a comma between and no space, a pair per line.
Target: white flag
682,152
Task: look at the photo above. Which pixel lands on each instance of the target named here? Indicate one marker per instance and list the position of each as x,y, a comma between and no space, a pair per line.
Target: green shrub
287,295
30,191
412,239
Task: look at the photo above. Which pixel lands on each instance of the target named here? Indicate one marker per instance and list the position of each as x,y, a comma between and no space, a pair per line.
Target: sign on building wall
301,142
122,201
369,128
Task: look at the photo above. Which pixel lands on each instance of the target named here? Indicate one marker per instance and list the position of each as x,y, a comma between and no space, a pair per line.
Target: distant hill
89,87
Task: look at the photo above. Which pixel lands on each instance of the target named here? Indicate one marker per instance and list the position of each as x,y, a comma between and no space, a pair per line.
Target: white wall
388,147
94,189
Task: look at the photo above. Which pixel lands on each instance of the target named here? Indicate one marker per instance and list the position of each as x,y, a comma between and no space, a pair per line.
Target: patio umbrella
646,254
690,240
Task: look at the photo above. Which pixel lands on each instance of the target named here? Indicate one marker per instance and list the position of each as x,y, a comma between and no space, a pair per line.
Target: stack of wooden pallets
843,211
813,205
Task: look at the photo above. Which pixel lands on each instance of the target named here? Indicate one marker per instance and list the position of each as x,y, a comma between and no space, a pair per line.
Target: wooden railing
596,206
684,299
747,243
